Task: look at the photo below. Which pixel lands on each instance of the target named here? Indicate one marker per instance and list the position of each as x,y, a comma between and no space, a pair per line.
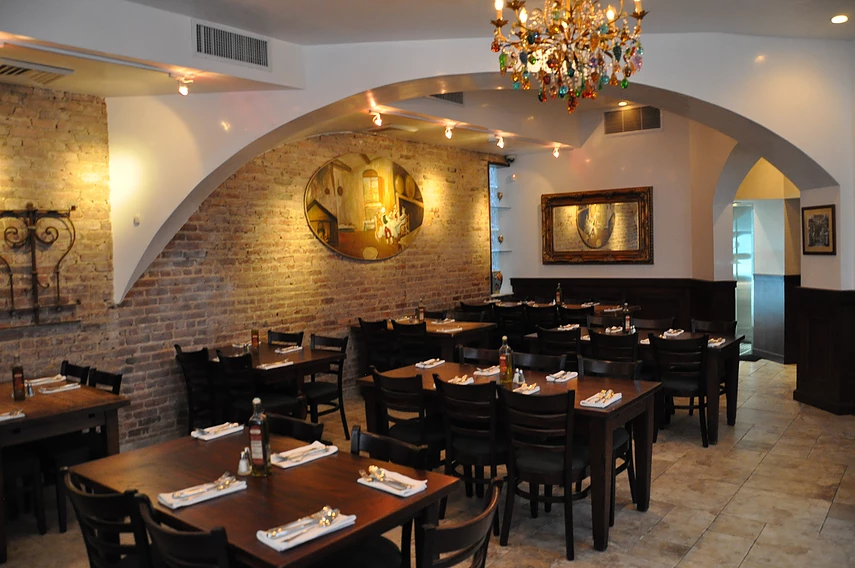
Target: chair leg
612,511
479,477
467,478
630,471
509,511
702,413
61,503
313,412
343,417
547,492
691,406
568,521
406,538
39,499
535,490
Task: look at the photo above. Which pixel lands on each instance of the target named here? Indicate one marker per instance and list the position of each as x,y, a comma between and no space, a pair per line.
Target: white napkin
430,363
46,380
416,485
585,338
465,380
645,341
340,522
672,333
63,388
561,376
450,329
568,327
241,345
214,432
168,500
599,401
291,349
527,388
282,458
612,309
275,365
614,329
590,304
716,341
488,372
12,415
446,320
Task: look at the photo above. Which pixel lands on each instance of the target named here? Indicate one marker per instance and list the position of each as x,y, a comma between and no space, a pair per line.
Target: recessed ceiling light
622,104
840,19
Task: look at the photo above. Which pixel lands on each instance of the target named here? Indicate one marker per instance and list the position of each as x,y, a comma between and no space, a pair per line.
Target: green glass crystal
503,60
532,59
624,84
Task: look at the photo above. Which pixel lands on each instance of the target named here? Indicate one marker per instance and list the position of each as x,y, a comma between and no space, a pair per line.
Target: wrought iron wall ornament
30,228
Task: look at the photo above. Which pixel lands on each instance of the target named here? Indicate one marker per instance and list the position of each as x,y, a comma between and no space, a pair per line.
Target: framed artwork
614,226
818,230
363,207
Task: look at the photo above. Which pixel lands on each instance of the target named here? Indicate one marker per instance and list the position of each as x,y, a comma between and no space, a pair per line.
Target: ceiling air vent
219,43
632,120
456,98
32,74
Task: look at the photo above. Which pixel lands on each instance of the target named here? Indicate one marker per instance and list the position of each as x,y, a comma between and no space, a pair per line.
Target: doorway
743,272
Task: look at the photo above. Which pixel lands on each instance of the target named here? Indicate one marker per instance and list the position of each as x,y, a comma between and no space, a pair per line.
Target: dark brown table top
437,329
55,405
645,333
284,496
584,387
266,354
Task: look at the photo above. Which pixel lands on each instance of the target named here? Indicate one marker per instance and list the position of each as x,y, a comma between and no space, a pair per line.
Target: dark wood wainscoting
825,376
776,329
683,298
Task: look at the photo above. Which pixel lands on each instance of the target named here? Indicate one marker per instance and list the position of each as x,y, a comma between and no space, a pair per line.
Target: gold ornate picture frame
613,226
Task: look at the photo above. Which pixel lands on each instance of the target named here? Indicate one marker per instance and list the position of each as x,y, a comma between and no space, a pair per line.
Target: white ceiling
311,22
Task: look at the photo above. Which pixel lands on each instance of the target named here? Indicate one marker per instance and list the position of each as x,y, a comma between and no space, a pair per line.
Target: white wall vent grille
632,120
32,74
211,41
456,98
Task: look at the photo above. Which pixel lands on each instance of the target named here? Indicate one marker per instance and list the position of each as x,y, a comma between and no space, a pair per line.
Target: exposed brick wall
245,259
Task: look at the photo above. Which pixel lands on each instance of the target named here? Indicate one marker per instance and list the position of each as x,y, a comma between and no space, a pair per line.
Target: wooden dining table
447,336
635,406
50,415
722,366
284,496
304,362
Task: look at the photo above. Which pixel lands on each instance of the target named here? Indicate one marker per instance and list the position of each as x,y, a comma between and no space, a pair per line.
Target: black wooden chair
285,338
294,428
411,339
72,371
542,452
113,531
381,351
400,398
445,547
681,366
604,321
485,309
579,316
324,392
713,328
436,314
240,381
543,316
473,438
512,321
558,342
616,347
658,324
199,387
172,548
538,362
477,356
111,382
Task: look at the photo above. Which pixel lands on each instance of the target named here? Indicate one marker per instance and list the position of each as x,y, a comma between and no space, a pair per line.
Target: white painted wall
769,243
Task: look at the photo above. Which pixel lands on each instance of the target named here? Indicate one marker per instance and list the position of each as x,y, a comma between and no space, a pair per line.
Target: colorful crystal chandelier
571,48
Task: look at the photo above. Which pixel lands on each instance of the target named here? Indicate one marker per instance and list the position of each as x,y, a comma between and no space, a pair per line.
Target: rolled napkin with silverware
46,380
561,376
527,388
303,454
288,349
672,332
614,329
391,481
488,372
12,415
63,388
464,380
645,341
716,341
225,484
430,363
590,304
218,431
303,530
276,364
568,327
602,399
450,329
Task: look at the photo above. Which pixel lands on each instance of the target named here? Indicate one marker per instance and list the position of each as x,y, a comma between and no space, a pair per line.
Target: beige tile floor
777,490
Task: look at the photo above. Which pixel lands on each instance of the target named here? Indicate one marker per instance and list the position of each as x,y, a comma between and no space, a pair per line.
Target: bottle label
503,364
256,446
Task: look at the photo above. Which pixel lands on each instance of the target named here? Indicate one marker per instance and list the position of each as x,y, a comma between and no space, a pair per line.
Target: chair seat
550,462
320,390
371,552
682,386
478,447
410,430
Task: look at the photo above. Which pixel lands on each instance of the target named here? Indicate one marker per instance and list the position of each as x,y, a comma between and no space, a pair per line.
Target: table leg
111,432
2,518
643,432
373,419
428,516
712,399
446,347
602,470
731,382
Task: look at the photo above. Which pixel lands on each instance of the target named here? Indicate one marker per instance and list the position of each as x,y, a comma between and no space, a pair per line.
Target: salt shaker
244,467
30,391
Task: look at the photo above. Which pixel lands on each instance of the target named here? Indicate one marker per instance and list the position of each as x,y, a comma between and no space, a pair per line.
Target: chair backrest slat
722,327
102,379
477,356
560,342
400,394
568,315
238,373
589,367
617,347
388,449
285,337
294,428
659,324
538,362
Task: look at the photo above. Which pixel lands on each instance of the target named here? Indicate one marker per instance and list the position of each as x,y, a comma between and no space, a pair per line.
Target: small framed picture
818,230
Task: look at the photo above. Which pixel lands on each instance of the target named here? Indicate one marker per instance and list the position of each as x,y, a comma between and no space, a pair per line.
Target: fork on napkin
12,415
308,528
288,349
430,363
590,304
63,388
614,329
46,380
450,329
716,341
645,341
446,320
303,454
602,399
464,380
527,388
672,332
218,431
561,376
226,484
276,364
488,372
392,482
568,327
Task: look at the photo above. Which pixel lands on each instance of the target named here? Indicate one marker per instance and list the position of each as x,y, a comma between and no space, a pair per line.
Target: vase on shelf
496,282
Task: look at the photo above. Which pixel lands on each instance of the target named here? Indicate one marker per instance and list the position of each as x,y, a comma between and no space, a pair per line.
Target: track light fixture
184,85
448,131
378,120
500,142
556,151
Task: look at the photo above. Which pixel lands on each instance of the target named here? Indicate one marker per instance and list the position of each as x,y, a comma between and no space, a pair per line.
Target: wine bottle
259,440
559,295
506,362
627,321
421,310
18,387
253,336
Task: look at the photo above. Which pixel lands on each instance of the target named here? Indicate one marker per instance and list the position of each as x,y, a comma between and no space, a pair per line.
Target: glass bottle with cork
259,440
19,390
420,312
506,363
254,341
627,321
559,295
